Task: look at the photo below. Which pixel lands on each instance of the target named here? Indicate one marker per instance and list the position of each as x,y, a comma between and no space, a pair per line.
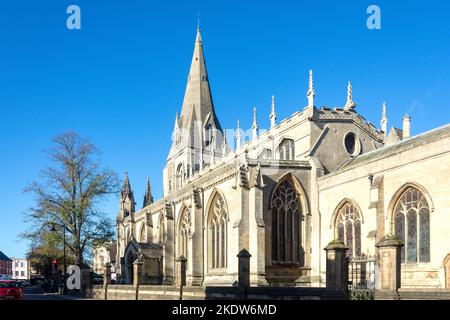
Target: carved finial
350,104
273,115
198,21
255,124
224,143
148,197
238,135
310,94
384,120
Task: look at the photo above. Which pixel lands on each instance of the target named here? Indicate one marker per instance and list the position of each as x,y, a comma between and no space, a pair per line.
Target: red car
10,290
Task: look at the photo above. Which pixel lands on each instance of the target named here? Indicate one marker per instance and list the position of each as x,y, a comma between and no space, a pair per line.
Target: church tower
127,204
197,134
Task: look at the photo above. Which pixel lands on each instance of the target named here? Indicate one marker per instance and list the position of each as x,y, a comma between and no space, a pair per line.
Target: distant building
21,269
5,266
103,254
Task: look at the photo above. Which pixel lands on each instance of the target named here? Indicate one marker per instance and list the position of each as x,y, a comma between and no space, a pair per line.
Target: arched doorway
447,271
130,258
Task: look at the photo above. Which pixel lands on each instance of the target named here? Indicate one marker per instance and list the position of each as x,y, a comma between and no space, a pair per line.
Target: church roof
403,145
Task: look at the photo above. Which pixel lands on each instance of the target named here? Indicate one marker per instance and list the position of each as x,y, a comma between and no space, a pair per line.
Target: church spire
255,124
148,197
273,115
350,104
310,94
198,103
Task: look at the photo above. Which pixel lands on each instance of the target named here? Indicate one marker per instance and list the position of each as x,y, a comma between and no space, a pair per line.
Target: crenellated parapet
326,114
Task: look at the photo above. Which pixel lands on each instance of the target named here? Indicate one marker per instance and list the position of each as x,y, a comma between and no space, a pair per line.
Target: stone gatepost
106,279
107,274
85,280
244,268
388,271
181,271
138,266
337,267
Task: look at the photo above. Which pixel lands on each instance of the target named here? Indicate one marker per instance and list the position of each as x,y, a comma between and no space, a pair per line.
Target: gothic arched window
217,233
265,154
179,176
184,232
348,228
287,149
412,225
286,225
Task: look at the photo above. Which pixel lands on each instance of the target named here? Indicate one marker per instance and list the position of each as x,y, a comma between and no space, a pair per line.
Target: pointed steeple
384,120
148,197
126,188
273,115
127,205
255,124
238,135
350,104
310,94
198,101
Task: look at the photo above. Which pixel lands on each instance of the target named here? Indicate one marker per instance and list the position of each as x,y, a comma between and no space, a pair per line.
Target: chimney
406,126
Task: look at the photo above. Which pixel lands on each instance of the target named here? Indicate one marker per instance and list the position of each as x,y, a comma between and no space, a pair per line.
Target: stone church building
283,194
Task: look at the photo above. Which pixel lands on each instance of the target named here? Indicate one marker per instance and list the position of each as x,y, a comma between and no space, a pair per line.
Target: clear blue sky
121,78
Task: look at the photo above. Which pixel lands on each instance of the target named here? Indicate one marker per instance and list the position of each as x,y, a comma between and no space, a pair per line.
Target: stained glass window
218,233
400,231
412,225
348,228
286,225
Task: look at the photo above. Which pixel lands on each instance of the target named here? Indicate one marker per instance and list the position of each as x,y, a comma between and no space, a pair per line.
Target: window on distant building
412,226
22,273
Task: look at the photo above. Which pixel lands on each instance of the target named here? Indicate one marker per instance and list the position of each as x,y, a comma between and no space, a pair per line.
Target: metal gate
361,278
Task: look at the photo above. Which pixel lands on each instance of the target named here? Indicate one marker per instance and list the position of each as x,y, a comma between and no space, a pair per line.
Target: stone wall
144,292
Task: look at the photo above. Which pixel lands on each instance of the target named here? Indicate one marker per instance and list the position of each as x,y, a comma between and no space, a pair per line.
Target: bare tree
69,194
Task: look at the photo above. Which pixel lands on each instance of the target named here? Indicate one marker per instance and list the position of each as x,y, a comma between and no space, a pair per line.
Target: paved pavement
49,296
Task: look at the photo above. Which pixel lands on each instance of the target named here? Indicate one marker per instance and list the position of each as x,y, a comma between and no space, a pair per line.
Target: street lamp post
64,256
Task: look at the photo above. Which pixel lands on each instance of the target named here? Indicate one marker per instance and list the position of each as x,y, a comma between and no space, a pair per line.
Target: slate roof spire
198,103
